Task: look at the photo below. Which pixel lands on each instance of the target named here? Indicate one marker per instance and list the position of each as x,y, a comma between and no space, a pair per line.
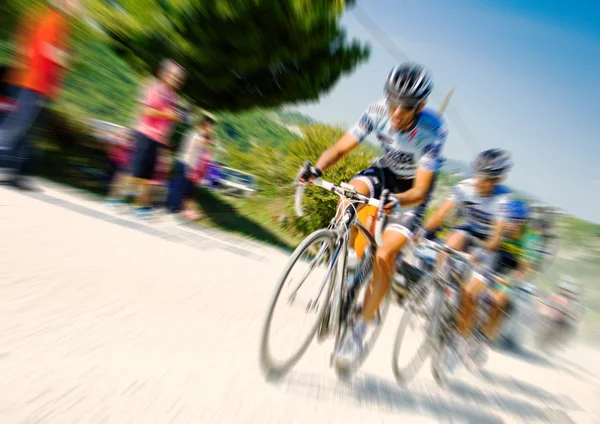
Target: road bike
437,301
336,301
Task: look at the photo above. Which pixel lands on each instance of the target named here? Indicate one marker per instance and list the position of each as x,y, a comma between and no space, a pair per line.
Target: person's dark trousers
178,188
16,129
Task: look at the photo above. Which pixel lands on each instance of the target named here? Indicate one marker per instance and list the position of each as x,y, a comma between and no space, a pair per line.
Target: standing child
188,168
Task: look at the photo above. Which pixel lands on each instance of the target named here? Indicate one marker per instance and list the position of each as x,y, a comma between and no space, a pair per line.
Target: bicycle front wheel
316,256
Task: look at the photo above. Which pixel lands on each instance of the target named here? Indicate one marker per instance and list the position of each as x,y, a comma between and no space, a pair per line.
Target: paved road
105,320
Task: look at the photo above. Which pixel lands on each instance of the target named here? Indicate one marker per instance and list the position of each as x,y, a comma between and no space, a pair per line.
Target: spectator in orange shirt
42,42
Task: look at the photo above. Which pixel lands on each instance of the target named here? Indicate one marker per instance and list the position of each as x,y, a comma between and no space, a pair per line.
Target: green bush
276,167
320,206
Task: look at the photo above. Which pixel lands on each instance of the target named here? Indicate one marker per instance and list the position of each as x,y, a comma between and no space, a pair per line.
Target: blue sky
527,78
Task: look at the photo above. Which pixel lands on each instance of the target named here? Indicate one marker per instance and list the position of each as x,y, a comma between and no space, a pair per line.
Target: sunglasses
407,105
485,177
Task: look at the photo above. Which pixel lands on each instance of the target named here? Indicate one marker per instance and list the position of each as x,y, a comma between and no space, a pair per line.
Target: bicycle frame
449,278
342,295
346,216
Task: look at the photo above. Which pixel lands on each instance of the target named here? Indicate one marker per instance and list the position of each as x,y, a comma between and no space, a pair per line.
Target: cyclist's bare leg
456,241
499,304
383,266
468,308
470,292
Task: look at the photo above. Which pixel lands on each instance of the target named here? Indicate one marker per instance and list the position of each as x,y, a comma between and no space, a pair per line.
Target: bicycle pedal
398,299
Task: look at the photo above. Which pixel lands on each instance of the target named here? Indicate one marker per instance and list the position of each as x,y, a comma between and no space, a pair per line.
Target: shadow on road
226,216
576,370
459,401
527,389
523,354
523,409
558,362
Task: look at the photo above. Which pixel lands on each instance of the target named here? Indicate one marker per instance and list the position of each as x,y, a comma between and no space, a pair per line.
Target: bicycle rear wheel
320,245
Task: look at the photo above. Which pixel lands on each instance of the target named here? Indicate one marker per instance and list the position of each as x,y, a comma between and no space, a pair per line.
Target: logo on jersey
400,161
474,212
412,135
400,157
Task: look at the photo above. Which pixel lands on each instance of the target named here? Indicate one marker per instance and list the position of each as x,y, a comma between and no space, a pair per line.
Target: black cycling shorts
501,263
380,178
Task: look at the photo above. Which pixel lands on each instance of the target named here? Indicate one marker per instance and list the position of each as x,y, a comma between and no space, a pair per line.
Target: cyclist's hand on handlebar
392,205
307,173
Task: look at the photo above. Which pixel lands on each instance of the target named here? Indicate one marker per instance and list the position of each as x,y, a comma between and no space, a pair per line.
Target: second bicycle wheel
312,266
417,308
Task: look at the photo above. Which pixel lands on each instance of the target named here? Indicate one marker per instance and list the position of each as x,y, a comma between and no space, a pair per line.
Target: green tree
10,11
239,53
251,127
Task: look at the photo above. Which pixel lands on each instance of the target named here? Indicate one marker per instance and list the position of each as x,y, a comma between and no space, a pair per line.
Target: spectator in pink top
153,131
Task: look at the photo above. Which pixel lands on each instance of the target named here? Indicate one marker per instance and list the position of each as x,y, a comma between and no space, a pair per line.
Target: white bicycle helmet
409,83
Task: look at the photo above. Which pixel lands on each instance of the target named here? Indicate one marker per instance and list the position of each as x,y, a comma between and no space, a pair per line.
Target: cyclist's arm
336,152
438,217
493,241
421,186
457,197
370,120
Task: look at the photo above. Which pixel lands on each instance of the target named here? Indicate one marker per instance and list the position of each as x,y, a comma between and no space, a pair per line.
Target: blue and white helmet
409,83
492,163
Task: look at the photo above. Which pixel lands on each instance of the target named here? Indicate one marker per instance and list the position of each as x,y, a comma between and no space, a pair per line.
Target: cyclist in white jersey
411,139
481,202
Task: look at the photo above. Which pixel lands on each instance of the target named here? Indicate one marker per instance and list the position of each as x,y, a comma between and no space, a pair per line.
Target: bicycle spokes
311,267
